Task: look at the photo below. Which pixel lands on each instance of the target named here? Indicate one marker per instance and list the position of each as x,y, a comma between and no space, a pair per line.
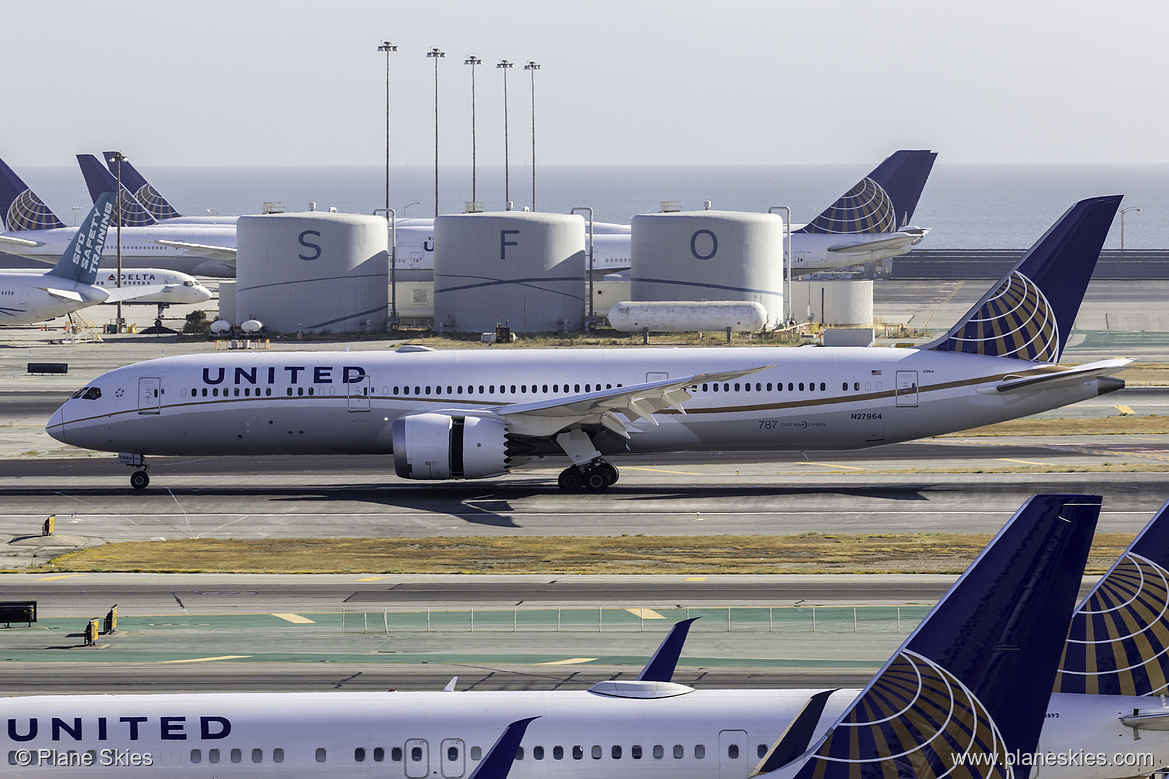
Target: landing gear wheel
597,479
614,474
570,479
139,480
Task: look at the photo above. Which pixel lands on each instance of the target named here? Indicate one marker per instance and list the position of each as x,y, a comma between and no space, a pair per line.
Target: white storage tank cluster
526,269
709,255
313,271
842,302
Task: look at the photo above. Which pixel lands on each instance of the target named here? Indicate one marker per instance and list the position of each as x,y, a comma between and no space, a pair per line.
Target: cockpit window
79,393
93,393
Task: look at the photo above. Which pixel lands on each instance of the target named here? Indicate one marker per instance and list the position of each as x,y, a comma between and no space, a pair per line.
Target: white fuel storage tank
313,271
709,255
525,269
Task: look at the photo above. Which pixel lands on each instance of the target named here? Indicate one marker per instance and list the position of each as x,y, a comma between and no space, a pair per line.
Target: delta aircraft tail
150,198
881,202
970,685
1029,314
20,208
100,180
1118,643
81,260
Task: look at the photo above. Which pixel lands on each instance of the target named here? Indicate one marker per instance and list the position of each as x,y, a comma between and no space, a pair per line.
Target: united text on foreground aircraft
476,414
966,693
28,297
32,230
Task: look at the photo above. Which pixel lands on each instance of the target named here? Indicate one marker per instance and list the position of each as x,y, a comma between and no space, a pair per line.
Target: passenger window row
237,755
792,386
247,392
501,389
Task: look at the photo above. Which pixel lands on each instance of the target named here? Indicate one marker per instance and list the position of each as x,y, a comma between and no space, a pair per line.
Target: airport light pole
118,158
1124,211
436,55
505,66
472,60
533,67
387,47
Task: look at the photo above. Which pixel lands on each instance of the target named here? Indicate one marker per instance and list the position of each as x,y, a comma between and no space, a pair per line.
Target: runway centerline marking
695,578
296,619
660,470
833,465
60,576
571,661
372,578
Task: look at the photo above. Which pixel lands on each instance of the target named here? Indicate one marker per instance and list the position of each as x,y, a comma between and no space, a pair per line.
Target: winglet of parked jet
150,198
81,260
20,208
1029,314
496,764
1118,643
970,685
100,180
882,201
660,667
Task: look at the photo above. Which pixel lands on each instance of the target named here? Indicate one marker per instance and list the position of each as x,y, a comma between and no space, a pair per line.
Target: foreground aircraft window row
246,392
504,389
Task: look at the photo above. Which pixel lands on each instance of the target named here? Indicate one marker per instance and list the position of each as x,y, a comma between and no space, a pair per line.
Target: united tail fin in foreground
881,202
81,260
970,685
1029,314
1118,643
20,208
100,180
150,198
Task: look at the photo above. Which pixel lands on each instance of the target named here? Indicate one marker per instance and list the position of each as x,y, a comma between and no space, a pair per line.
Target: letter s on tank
309,245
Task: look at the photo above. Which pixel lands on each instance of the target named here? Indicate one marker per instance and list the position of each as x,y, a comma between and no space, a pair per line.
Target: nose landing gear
138,479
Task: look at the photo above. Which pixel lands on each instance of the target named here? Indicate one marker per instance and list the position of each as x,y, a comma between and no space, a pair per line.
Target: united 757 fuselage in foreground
477,414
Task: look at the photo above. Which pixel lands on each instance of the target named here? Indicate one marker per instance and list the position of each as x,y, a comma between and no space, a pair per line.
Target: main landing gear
594,477
139,479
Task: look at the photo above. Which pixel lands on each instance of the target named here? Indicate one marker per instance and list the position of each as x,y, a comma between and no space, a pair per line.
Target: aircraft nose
56,425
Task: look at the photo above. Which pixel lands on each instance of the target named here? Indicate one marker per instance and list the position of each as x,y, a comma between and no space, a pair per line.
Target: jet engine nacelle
441,446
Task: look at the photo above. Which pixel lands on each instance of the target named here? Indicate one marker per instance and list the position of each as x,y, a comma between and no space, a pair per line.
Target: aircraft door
359,392
452,758
656,376
906,388
417,758
149,395
734,762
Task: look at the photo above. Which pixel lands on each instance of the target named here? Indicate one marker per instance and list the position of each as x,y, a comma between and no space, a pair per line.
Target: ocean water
966,206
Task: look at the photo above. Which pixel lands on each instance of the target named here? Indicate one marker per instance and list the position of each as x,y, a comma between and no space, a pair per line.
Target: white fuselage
346,402
30,297
701,734
139,247
166,286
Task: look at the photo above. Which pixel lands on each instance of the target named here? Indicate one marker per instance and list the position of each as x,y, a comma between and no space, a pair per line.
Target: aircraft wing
133,293
898,241
638,401
1069,376
19,243
224,253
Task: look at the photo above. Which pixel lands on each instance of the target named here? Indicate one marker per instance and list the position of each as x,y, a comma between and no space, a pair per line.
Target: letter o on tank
702,241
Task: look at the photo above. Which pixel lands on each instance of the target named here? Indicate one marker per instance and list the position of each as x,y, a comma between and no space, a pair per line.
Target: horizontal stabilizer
64,294
1068,376
18,243
898,241
1147,720
496,764
224,253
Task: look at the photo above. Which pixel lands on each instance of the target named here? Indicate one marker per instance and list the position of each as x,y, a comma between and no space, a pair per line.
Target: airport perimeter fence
755,619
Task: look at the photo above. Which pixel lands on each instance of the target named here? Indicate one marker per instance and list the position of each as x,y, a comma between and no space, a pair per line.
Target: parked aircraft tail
1118,643
100,180
1030,312
20,208
970,685
81,260
150,198
882,201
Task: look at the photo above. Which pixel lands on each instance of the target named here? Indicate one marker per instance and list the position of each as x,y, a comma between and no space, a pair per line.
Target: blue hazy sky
621,81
